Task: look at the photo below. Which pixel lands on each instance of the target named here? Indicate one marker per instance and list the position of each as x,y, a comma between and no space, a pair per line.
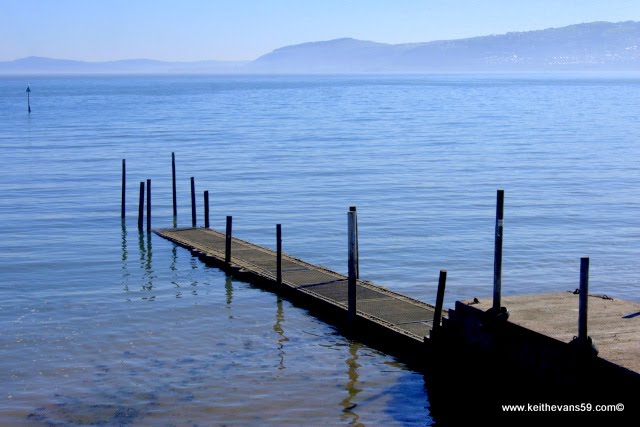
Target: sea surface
103,325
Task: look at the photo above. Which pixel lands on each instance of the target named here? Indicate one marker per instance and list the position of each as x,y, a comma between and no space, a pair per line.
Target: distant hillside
602,46
39,65
593,46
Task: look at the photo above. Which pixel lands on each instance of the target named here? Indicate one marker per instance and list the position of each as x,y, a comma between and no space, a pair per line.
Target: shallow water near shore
103,325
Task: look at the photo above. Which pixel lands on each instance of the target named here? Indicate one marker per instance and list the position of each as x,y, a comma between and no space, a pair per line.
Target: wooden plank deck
401,314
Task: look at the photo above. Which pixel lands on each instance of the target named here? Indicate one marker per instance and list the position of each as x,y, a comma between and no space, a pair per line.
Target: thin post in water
352,245
353,209
193,202
148,206
124,182
206,209
173,175
437,315
141,206
497,255
583,299
279,254
227,246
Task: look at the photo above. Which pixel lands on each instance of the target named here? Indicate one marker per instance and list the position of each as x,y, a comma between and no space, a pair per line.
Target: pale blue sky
245,29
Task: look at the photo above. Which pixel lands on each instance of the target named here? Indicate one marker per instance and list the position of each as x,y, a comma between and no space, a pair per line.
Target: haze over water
102,324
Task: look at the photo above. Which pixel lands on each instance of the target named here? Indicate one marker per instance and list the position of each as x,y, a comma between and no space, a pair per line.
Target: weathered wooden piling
148,206
279,254
352,245
353,209
497,255
124,185
206,209
193,202
141,206
227,243
437,315
173,176
583,299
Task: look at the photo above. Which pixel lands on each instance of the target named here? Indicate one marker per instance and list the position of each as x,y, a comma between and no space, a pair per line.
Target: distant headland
596,46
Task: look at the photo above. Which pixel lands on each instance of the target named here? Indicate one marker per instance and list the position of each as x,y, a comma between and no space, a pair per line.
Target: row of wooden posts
141,202
496,311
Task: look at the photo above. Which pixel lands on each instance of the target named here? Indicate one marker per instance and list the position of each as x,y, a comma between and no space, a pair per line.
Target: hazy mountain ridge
593,46
36,64
597,45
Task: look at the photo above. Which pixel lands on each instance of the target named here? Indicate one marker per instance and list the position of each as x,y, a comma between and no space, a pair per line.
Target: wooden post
227,246
173,175
353,209
141,206
124,185
279,254
206,209
148,206
351,290
437,316
193,202
583,300
497,256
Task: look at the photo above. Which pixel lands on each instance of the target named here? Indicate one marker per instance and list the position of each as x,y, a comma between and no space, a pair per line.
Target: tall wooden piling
437,315
353,209
141,206
583,299
206,209
227,245
148,206
279,254
173,176
193,202
124,185
497,255
352,245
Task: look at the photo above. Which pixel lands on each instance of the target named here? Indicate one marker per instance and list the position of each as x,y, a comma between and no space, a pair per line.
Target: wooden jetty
404,316
484,352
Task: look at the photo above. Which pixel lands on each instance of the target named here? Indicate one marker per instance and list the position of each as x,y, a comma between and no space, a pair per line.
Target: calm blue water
101,325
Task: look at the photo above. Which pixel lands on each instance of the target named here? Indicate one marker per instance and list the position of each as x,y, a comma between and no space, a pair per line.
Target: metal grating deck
392,310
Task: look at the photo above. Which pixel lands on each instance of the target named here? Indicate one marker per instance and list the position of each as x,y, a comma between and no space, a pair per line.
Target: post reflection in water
277,327
348,403
125,255
148,270
195,265
174,257
228,287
